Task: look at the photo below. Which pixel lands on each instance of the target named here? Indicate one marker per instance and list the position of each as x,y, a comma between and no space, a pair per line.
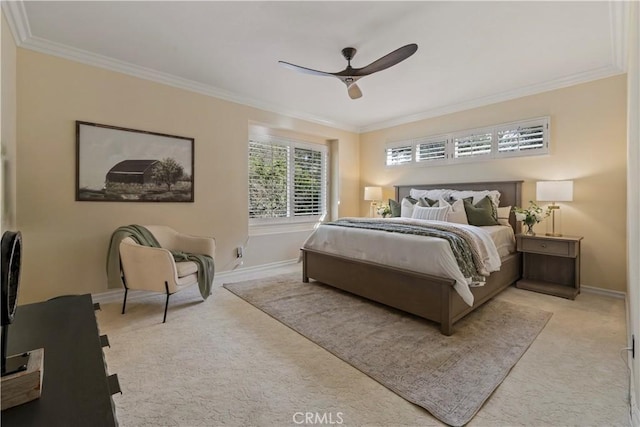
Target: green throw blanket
206,267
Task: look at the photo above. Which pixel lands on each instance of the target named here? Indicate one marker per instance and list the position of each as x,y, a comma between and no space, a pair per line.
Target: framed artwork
115,164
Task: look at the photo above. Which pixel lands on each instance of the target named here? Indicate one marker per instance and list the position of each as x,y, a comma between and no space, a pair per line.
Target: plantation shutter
268,171
308,182
472,145
523,136
399,155
431,149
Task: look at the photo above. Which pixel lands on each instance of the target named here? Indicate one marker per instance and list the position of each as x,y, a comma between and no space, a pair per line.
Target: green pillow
482,213
395,208
426,202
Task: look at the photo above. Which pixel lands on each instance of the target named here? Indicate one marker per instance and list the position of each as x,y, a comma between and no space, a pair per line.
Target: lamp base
553,234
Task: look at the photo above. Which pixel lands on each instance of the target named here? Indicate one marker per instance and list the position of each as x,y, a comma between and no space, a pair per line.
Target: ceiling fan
349,76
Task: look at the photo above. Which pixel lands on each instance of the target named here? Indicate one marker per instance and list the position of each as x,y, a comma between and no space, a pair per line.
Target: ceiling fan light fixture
350,75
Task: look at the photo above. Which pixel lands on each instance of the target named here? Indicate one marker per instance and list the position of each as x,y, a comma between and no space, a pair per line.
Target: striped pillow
434,214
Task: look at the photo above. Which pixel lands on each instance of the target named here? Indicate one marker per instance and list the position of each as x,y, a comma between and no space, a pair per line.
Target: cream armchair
154,269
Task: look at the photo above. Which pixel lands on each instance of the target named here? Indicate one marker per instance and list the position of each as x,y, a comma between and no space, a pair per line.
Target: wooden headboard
510,193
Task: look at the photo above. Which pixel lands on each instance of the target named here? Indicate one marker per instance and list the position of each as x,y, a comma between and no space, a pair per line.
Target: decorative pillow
426,202
482,213
395,208
406,206
457,213
494,195
435,214
503,215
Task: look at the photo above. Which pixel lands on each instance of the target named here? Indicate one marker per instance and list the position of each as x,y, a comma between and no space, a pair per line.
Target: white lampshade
373,193
554,191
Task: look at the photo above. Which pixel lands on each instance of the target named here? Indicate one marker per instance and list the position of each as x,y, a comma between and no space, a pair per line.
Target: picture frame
116,164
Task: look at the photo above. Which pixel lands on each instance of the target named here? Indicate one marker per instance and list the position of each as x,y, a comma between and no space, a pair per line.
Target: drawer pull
543,245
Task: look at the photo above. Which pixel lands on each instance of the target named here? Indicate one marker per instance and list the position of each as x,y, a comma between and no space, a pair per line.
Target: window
399,155
287,180
432,149
524,138
477,143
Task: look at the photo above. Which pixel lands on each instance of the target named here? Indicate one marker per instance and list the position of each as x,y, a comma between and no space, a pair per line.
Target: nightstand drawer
546,247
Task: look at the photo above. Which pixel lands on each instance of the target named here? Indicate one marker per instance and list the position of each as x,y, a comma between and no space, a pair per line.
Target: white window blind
522,137
287,180
308,179
431,149
472,145
399,155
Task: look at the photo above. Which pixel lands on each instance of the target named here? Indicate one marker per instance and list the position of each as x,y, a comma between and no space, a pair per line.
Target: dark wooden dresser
76,389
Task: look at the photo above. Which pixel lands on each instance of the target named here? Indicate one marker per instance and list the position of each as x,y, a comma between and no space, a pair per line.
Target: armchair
154,269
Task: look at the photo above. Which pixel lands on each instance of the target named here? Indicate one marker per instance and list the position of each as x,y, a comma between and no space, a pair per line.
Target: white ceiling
470,53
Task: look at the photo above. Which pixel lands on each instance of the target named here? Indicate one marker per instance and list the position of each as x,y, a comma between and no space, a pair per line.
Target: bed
429,296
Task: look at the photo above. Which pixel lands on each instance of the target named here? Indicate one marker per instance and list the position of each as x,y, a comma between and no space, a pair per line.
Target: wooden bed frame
427,296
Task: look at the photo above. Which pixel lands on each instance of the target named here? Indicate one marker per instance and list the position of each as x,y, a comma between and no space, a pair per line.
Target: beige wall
8,131
65,241
588,145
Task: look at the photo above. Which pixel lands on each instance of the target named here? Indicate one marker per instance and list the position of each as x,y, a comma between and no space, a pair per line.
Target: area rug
451,377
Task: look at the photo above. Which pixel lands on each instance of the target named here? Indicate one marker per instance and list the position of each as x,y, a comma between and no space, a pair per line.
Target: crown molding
619,14
598,73
16,16
19,24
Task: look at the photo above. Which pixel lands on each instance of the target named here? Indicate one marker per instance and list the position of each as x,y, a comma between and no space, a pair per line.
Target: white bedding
429,255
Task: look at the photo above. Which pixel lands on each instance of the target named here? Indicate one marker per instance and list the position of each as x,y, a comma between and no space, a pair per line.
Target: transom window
524,138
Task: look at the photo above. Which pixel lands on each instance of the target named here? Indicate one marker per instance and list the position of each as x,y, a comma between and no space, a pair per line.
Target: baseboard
241,273
605,292
117,295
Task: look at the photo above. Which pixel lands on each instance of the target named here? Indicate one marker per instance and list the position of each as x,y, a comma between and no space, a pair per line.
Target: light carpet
451,377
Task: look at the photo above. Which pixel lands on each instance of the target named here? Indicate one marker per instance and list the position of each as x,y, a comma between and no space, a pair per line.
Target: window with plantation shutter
399,155
431,149
287,180
472,144
523,138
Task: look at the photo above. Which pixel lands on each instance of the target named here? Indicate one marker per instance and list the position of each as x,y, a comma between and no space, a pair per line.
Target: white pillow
503,215
434,214
406,208
457,213
431,194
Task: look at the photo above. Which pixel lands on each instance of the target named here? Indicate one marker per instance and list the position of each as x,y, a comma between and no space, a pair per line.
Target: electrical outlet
239,252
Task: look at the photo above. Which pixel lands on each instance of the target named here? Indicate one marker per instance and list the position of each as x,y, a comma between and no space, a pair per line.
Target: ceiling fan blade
304,69
389,60
354,91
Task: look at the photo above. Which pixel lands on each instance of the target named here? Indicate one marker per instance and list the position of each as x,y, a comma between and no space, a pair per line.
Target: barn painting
120,164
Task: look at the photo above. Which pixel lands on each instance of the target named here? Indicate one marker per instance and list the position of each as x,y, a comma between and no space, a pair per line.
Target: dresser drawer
547,247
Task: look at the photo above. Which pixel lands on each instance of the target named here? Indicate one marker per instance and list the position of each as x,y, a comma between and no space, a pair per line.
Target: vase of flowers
530,216
384,210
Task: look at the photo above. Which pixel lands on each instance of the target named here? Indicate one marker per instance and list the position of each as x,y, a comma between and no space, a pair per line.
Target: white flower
539,217
520,216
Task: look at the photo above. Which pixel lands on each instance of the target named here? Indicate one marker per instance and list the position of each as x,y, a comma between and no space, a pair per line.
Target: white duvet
429,255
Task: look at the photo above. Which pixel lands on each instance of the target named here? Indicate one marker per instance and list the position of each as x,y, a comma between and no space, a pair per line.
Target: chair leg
166,305
124,303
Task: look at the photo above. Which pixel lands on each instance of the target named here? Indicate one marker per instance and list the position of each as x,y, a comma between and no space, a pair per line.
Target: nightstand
550,264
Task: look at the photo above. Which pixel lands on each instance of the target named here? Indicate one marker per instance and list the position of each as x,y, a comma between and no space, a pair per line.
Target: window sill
265,229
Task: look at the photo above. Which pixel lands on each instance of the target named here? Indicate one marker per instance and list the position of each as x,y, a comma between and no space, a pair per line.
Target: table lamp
372,194
554,191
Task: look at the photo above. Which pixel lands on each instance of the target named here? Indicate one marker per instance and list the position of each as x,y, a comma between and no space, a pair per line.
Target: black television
11,248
